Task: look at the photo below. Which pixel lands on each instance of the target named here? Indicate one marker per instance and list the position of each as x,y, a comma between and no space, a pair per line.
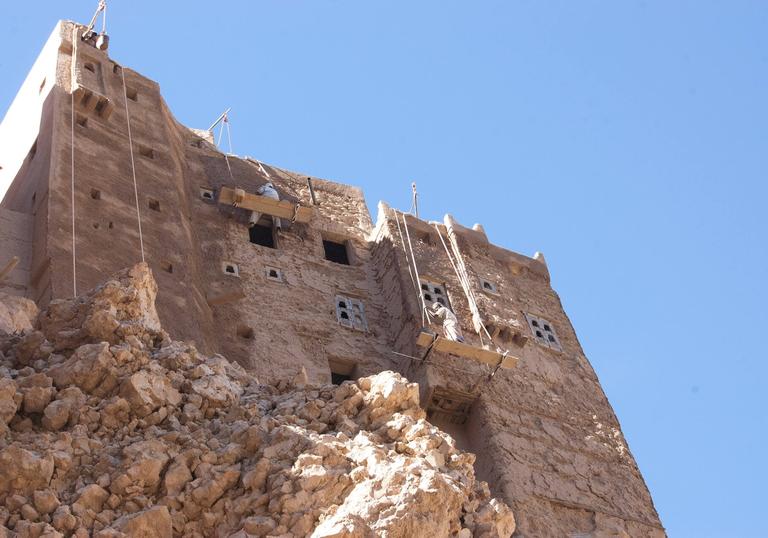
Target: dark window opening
441,301
344,315
132,94
425,287
338,379
96,225
546,328
96,194
342,304
428,297
116,69
487,285
535,323
154,205
538,333
551,338
101,106
111,225
273,273
336,252
166,266
89,67
82,121
147,152
245,332
262,235
230,269
437,291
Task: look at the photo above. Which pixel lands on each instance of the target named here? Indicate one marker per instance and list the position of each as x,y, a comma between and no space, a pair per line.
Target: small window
89,67
273,273
132,93
351,313
116,69
147,152
166,266
543,332
230,268
82,121
434,293
245,332
154,205
262,235
96,194
336,252
488,286
342,369
206,193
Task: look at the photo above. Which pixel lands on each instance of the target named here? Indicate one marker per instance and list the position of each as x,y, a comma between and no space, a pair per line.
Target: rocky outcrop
109,428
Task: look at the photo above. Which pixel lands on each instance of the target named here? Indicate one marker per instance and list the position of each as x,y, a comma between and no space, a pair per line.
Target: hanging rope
416,287
461,273
416,271
133,166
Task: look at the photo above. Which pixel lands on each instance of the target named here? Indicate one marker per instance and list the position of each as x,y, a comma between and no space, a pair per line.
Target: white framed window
434,293
207,193
351,313
230,269
543,332
273,273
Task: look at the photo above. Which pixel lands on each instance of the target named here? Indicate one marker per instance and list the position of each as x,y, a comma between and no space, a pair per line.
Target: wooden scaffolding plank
485,356
253,202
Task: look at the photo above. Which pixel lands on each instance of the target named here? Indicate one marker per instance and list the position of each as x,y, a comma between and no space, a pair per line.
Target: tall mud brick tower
330,292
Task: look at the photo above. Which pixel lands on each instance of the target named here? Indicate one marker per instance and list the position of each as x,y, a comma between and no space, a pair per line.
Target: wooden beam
485,356
253,202
8,267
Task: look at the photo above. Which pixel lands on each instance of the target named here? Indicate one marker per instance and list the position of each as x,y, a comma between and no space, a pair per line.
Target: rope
221,138
410,271
133,166
465,284
416,359
416,270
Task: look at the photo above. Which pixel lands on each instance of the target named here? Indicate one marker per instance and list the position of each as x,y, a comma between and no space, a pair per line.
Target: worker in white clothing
450,323
269,191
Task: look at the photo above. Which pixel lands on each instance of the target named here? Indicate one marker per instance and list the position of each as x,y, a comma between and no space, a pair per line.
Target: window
154,205
89,67
96,194
116,69
488,286
206,193
82,121
336,252
543,332
230,268
166,266
132,94
147,152
341,369
273,273
351,313
262,235
434,293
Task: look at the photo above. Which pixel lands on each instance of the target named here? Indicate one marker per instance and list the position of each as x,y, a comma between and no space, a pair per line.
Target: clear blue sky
628,141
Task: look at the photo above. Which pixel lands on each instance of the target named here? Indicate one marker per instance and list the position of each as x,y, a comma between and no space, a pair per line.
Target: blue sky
628,141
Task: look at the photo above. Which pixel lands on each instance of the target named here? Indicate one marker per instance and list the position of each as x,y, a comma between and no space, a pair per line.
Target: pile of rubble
109,428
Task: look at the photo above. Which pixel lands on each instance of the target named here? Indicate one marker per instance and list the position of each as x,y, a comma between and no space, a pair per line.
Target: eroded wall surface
544,433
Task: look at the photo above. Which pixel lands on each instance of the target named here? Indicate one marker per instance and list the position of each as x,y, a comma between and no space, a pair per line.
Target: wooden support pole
8,267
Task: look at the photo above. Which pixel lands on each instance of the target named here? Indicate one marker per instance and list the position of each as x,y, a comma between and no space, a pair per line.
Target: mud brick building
339,294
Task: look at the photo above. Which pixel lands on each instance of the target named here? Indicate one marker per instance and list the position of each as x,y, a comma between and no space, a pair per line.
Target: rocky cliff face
110,428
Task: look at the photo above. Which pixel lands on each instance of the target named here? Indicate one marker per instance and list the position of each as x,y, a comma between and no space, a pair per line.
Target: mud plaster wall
545,435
